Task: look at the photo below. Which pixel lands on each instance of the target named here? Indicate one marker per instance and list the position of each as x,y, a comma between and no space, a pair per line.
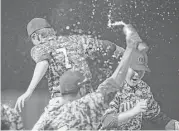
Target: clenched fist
141,106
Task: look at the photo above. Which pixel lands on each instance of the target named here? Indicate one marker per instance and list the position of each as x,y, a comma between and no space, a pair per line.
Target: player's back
82,114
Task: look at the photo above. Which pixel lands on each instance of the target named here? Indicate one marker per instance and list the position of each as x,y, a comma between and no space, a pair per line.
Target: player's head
138,68
70,84
39,30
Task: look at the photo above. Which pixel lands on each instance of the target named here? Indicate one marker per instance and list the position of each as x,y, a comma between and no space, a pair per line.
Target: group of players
94,84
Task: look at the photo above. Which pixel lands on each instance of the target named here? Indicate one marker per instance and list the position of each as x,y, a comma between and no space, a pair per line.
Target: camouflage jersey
127,99
81,114
10,118
75,52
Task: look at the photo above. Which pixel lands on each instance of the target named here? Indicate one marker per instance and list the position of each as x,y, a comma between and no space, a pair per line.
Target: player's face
134,76
42,35
35,39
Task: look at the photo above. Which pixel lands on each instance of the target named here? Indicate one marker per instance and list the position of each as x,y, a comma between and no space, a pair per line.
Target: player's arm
113,118
40,56
109,87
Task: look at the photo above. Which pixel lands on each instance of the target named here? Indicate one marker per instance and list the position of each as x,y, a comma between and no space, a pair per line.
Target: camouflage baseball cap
69,82
37,24
140,61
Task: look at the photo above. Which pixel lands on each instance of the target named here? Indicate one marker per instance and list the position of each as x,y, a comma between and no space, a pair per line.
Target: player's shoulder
90,99
39,47
62,39
72,38
143,85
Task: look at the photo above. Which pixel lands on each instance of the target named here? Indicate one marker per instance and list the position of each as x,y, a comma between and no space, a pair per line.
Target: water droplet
67,27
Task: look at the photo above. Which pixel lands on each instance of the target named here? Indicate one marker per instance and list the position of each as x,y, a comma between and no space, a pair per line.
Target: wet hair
10,118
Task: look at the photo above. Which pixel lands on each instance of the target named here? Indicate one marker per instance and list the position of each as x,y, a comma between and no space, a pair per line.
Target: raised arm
112,118
113,83
133,44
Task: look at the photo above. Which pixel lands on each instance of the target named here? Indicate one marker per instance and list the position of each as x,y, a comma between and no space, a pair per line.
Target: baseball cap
140,61
69,82
37,24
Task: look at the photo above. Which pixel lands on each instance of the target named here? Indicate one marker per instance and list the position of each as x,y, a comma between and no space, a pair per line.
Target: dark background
157,22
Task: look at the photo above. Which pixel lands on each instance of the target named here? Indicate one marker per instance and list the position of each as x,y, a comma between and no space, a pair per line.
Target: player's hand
21,100
133,39
128,30
131,36
141,106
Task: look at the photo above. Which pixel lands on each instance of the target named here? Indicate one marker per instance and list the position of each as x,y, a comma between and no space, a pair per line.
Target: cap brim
141,67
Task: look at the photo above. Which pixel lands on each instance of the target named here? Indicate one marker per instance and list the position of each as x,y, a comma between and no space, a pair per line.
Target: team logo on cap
141,60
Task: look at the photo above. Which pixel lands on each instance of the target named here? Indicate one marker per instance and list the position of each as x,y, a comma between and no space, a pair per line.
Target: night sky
156,21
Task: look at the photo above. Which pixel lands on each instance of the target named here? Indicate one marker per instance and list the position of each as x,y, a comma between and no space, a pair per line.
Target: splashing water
129,31
117,23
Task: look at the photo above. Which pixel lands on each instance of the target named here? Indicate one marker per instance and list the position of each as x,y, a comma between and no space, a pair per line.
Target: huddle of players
120,102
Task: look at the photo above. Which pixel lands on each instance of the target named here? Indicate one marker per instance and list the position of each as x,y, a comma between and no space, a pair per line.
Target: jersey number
63,50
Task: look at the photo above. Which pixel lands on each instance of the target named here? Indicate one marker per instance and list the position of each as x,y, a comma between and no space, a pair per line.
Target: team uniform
82,114
127,99
10,119
80,54
77,52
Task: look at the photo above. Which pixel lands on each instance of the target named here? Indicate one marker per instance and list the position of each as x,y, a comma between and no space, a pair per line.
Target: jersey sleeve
40,53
